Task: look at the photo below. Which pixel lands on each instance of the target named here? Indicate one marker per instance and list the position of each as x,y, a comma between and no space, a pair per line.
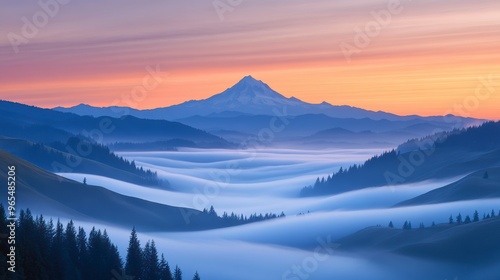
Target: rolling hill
48,194
473,243
45,125
99,161
439,156
481,184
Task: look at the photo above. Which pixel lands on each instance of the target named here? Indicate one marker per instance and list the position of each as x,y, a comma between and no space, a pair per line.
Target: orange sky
430,58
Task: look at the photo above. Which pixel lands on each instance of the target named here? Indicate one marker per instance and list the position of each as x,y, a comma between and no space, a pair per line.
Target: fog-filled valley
269,180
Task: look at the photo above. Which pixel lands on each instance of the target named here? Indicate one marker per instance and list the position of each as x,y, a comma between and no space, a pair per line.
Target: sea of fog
246,182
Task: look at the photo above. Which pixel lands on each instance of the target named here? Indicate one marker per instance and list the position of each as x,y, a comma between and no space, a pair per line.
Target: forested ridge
48,250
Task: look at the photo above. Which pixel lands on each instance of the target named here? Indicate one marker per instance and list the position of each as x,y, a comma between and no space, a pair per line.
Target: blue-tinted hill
48,194
478,185
439,156
62,158
45,125
472,243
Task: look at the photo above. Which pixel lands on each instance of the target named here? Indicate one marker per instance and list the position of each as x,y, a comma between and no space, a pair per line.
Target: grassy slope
468,243
473,186
19,147
49,194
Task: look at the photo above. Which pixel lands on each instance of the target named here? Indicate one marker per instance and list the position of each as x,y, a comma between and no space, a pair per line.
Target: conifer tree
476,216
467,220
165,272
133,266
150,261
82,253
27,246
212,211
177,273
95,248
44,237
70,242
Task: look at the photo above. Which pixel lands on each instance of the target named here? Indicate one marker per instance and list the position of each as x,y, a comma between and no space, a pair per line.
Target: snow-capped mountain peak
248,91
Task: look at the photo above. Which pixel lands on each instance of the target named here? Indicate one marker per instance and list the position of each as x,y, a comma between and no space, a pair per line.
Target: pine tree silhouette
133,264
467,220
165,272
476,216
177,273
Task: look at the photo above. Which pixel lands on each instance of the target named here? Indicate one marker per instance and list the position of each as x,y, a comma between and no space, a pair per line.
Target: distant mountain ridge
248,96
257,106
45,125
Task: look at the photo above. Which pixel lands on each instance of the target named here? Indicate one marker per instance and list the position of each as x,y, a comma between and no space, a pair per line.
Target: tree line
373,172
46,250
144,263
235,219
55,156
101,153
457,220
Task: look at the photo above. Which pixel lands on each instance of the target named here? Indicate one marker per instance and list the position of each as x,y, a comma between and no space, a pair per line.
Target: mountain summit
248,87
249,92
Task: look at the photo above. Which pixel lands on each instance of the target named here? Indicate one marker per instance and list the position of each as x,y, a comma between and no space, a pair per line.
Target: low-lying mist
246,182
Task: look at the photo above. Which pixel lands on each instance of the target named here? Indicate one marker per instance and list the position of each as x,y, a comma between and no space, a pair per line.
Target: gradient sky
429,58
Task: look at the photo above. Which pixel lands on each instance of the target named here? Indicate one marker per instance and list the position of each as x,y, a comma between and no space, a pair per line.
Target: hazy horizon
403,57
